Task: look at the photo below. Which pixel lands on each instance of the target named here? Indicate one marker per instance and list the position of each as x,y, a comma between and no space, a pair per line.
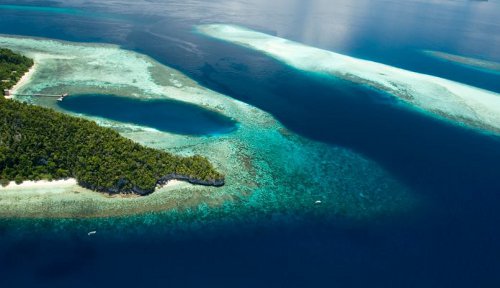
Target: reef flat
474,63
268,169
443,98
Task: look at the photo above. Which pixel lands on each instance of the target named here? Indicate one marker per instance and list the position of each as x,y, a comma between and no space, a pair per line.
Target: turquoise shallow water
407,200
268,168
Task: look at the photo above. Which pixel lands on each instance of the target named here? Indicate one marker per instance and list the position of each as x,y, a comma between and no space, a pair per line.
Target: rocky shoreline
162,181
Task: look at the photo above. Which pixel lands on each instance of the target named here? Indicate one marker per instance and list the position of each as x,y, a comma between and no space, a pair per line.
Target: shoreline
40,184
25,79
260,162
71,182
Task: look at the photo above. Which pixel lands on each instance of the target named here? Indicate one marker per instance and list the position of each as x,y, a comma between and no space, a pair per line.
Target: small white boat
60,99
91,233
317,202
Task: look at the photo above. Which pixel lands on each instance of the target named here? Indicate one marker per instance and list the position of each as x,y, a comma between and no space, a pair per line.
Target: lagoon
164,115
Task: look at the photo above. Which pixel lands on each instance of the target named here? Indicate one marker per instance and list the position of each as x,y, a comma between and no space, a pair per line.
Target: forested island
39,143
12,68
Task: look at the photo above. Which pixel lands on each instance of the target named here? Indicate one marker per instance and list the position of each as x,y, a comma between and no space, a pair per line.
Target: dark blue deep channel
452,241
164,115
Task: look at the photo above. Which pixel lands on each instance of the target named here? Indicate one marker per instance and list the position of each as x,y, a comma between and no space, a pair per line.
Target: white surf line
444,98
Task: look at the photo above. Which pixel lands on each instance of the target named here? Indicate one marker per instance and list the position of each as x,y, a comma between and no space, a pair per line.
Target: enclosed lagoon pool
161,114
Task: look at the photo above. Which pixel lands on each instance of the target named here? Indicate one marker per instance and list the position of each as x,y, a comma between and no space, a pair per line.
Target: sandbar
442,98
470,62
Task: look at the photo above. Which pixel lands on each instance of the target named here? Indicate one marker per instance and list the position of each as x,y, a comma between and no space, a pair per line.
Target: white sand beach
42,184
70,182
24,80
172,183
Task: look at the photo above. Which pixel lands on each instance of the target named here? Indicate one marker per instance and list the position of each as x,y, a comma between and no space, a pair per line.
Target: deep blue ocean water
163,115
454,243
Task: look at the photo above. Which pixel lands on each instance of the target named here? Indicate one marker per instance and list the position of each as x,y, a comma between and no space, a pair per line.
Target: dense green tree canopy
12,68
40,143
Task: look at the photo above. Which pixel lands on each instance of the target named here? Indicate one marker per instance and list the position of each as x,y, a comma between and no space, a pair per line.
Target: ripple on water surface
164,115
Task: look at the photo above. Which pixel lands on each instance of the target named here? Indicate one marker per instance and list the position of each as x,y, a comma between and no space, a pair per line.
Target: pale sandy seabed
269,170
443,98
470,62
24,80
